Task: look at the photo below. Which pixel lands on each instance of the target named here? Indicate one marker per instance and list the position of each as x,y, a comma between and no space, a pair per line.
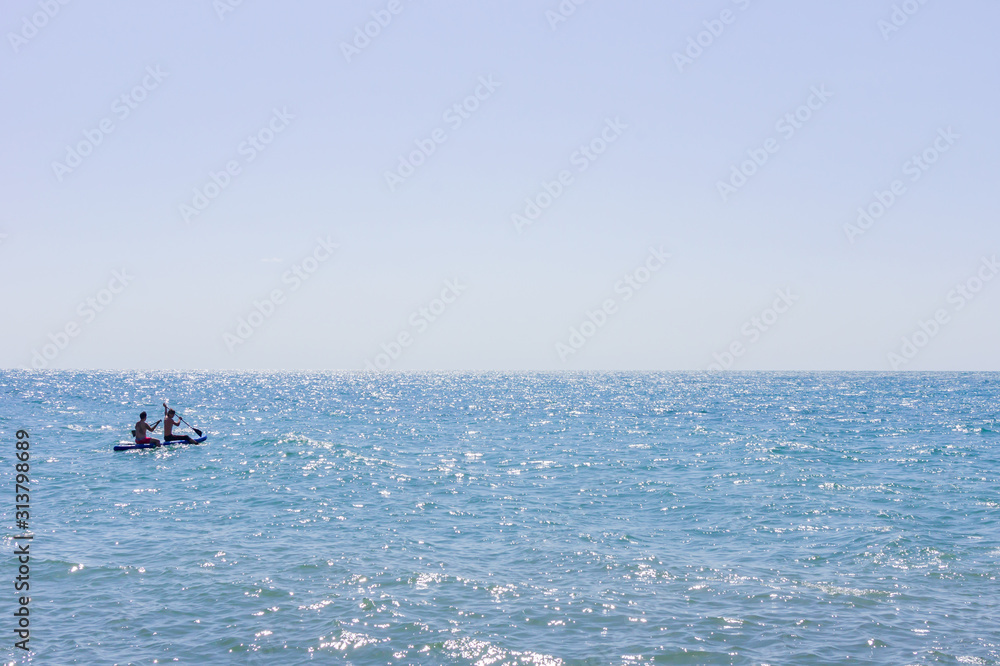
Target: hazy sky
500,185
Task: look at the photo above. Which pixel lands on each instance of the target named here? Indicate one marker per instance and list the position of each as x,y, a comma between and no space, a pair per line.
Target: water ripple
531,518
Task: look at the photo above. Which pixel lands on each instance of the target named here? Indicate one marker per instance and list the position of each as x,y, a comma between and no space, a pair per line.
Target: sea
505,518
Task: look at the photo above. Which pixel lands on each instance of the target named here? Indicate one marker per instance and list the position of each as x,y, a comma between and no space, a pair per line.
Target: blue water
510,518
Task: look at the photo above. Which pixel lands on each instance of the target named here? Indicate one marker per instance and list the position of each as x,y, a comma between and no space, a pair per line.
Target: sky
516,185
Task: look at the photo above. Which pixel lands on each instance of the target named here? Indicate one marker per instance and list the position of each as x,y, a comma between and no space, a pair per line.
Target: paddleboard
133,447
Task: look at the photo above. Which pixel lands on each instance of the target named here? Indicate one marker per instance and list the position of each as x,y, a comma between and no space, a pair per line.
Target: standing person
142,430
168,427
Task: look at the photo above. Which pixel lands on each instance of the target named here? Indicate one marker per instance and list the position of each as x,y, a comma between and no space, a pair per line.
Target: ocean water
482,518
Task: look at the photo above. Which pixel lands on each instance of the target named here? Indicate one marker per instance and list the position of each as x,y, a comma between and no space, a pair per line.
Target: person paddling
168,427
142,430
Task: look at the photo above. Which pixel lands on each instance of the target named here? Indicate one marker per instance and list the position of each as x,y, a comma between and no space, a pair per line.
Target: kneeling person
142,430
168,428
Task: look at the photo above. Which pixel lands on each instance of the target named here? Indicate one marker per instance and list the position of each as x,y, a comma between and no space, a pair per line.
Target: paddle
197,432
